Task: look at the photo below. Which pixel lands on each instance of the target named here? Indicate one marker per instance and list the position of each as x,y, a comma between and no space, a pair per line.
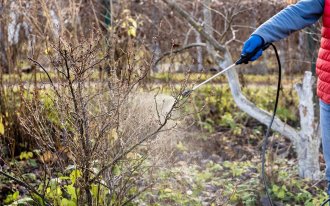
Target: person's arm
290,19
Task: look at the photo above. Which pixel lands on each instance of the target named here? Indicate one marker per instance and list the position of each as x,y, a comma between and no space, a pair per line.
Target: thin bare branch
179,50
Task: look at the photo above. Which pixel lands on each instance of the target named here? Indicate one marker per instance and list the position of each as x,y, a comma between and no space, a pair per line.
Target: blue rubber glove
251,44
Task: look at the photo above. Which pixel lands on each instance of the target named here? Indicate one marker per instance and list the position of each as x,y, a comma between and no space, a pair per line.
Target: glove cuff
261,38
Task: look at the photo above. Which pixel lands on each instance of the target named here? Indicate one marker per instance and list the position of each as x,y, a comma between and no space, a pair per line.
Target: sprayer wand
243,59
188,92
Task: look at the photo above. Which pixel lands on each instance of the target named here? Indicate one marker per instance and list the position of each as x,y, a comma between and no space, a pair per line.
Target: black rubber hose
245,59
325,202
265,143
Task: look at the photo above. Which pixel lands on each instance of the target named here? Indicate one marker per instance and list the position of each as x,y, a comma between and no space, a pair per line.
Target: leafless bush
98,126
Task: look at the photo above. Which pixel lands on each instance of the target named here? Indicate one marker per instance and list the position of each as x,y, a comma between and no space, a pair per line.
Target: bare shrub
102,128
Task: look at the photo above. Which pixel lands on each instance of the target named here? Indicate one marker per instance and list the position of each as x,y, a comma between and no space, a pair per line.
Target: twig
179,50
136,195
48,76
194,24
27,186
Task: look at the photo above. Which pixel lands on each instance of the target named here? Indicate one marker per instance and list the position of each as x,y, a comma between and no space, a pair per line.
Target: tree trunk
199,52
3,31
155,47
307,146
250,108
208,23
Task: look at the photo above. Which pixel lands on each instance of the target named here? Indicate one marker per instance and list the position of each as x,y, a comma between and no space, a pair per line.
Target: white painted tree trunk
308,144
250,108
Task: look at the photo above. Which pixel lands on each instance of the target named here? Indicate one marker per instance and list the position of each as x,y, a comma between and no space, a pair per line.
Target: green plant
25,155
64,191
2,127
280,192
11,197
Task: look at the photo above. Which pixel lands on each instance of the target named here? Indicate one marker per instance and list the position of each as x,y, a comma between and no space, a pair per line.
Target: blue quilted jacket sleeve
291,19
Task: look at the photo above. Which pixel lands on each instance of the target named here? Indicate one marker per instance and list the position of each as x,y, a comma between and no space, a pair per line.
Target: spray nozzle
187,92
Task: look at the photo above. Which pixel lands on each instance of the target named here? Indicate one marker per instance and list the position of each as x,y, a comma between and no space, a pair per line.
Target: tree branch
48,76
196,25
179,50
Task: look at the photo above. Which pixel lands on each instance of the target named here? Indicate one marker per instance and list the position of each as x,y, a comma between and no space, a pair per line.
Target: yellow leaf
113,137
2,127
26,155
48,51
133,22
124,25
132,31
